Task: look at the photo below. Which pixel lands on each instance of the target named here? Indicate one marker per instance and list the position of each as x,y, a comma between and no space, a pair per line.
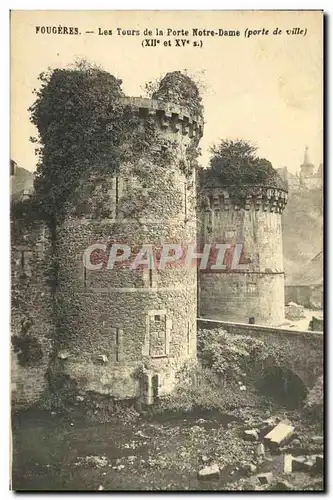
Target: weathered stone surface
317,439
280,434
283,486
251,435
302,464
287,464
260,450
209,472
265,477
319,464
294,311
249,468
63,355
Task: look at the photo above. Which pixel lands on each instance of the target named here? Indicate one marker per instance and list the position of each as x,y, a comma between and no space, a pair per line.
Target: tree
235,162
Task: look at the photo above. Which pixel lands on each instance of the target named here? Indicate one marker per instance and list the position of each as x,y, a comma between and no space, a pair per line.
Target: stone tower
251,282
126,329
307,168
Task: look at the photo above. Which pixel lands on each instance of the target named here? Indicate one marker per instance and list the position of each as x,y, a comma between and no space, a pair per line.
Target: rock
271,421
102,357
283,486
242,387
280,434
63,355
100,488
204,459
251,435
302,464
265,477
287,464
260,450
294,311
79,398
249,468
317,439
319,463
209,472
295,443
267,425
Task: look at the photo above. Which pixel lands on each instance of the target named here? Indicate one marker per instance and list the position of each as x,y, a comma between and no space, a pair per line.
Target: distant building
308,178
292,180
307,287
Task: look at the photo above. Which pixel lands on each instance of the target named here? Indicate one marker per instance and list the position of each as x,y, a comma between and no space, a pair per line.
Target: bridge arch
282,385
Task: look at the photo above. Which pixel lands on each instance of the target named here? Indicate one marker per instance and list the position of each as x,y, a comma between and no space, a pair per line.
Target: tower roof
306,160
306,156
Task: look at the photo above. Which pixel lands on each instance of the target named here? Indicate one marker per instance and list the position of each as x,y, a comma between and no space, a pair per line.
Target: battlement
169,116
236,197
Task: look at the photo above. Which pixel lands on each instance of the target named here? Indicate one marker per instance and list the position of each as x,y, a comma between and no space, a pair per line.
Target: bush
232,357
206,394
314,404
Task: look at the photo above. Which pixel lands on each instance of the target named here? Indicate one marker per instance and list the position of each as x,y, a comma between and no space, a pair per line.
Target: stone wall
32,327
311,296
300,352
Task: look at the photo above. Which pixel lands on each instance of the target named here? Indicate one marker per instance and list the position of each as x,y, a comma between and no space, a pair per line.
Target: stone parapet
168,115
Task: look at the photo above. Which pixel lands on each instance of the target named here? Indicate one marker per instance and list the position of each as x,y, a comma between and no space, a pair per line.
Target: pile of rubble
270,438
294,311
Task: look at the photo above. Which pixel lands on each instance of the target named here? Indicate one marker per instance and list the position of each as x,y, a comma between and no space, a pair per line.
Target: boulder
294,311
319,463
260,450
209,472
267,425
265,477
302,464
249,468
317,439
287,464
251,435
280,434
283,486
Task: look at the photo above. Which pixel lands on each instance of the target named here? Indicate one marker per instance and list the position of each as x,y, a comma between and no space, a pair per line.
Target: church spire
306,156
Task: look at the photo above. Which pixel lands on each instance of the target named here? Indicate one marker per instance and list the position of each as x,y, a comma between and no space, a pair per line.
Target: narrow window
22,260
150,278
117,195
84,277
117,344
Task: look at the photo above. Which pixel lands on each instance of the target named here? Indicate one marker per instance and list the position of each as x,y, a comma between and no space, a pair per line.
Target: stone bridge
301,352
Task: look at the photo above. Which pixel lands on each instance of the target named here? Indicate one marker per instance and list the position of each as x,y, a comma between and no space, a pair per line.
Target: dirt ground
67,452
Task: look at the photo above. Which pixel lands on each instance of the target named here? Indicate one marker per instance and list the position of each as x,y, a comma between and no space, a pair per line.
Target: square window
157,317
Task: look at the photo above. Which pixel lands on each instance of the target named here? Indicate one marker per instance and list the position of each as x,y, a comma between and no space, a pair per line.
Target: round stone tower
249,283
126,304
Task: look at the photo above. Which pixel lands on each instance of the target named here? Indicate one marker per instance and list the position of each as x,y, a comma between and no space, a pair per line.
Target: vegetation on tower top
179,88
235,163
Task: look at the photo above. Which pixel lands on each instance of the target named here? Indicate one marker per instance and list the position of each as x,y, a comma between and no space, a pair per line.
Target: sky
265,88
